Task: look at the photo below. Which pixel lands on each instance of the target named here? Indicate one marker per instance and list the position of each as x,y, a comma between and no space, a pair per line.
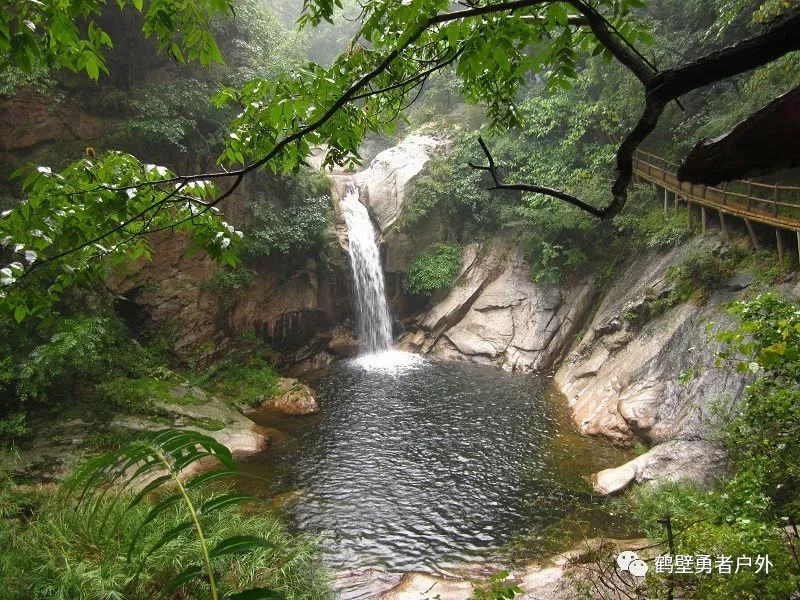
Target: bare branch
491,168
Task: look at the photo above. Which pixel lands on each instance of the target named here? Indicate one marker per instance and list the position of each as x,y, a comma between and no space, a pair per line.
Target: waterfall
372,311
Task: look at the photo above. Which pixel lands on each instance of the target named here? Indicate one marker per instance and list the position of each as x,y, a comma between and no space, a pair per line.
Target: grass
248,382
52,551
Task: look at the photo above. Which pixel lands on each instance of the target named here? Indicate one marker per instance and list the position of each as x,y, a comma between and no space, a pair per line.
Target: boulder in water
293,398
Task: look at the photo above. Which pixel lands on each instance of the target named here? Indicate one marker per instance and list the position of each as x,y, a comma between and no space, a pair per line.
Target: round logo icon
637,568
625,557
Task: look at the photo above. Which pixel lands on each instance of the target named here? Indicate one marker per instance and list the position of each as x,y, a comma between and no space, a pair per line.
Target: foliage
230,281
13,428
157,461
241,382
80,348
434,270
55,550
495,587
748,514
63,210
699,275
69,34
299,226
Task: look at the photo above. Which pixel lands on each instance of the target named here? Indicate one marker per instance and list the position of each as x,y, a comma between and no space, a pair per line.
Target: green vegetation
495,587
248,382
434,270
699,275
747,514
177,534
299,223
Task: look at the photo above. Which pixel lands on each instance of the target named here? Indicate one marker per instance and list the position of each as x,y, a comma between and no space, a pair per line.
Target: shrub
699,275
116,545
249,382
13,428
300,225
434,270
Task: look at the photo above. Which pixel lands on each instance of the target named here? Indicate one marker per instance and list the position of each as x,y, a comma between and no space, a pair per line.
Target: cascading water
372,311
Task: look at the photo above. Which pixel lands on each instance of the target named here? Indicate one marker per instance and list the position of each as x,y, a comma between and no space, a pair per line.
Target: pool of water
419,464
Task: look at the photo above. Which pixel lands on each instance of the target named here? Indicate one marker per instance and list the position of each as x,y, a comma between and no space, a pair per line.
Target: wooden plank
722,225
779,244
688,215
666,201
703,218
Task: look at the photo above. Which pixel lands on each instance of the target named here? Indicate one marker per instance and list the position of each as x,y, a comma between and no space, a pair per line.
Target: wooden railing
771,204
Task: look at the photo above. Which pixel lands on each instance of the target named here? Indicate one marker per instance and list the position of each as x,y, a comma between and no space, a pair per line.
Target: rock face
383,184
623,379
495,315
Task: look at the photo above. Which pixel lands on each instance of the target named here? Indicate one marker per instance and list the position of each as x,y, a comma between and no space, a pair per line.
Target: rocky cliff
619,354
495,315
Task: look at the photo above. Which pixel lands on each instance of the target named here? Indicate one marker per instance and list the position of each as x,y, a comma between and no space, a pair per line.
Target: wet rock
343,343
697,462
635,389
496,315
384,184
293,398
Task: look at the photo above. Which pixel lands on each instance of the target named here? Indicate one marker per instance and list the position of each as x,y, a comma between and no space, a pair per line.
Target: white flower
37,233
30,256
18,247
5,213
7,280
754,367
44,170
239,233
225,242
230,228
6,240
131,193
219,235
49,222
16,266
6,271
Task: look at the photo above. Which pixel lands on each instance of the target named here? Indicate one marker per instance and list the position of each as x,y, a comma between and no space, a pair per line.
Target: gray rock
496,315
697,462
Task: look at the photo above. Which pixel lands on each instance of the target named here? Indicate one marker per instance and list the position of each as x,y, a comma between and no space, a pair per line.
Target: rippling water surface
422,464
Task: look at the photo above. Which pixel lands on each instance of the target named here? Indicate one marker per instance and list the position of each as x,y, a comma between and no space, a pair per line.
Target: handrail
773,204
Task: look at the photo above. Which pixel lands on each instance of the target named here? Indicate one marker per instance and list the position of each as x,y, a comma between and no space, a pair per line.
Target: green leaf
257,594
238,544
19,313
182,578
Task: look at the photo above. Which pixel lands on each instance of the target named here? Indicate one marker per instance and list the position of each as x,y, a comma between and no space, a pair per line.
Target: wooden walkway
777,206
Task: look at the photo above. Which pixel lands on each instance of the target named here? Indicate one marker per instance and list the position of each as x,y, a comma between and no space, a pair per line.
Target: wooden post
798,246
703,218
666,202
775,202
725,193
688,214
749,199
752,234
779,243
675,201
722,224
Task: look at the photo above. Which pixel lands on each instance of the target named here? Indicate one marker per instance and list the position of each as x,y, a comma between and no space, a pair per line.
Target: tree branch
491,168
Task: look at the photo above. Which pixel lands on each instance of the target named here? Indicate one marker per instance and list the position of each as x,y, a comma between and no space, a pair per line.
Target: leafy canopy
67,33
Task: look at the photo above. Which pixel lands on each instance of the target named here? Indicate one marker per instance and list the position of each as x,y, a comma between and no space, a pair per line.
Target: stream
414,463
420,464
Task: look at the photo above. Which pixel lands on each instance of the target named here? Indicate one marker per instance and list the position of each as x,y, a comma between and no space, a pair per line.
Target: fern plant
160,464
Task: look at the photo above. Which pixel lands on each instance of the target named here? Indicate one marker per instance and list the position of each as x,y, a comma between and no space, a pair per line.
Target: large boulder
384,184
293,398
697,462
496,315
